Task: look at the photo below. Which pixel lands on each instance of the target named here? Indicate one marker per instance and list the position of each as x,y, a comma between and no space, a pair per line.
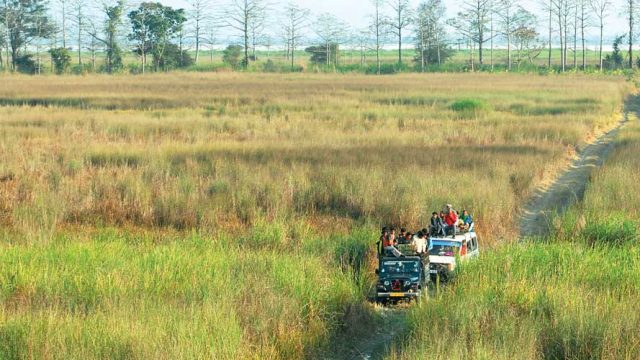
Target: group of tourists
446,223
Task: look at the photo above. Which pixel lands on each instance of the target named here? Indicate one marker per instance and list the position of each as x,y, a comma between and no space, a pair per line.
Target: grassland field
232,215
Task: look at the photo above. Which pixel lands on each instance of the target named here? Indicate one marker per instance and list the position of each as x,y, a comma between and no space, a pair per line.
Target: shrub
27,65
61,60
231,55
387,69
470,107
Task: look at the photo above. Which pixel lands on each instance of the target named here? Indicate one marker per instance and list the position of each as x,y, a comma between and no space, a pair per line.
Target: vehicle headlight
387,283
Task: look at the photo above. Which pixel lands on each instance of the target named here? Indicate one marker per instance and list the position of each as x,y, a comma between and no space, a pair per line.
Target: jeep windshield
444,248
400,268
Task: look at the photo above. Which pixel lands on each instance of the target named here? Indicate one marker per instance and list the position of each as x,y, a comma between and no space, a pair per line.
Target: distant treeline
79,36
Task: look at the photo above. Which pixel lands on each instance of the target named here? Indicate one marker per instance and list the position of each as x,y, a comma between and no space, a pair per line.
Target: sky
356,12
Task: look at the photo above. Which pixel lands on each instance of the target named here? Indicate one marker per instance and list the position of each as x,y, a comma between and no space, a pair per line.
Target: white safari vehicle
445,251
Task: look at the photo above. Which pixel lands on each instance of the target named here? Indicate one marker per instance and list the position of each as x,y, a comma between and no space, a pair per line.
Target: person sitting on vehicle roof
408,238
450,219
388,244
420,242
437,225
402,236
467,221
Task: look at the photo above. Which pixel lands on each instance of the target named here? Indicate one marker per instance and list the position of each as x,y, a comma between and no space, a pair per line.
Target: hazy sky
355,12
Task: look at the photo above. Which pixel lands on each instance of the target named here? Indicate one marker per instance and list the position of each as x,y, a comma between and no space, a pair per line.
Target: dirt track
378,344
568,188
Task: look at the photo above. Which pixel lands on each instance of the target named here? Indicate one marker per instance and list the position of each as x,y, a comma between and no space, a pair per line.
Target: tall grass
205,152
115,296
232,216
532,301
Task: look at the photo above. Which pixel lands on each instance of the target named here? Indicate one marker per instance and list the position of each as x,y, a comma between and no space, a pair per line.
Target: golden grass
231,148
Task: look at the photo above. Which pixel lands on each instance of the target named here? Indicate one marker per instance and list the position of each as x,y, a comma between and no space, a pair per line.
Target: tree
614,60
93,43
323,54
601,8
329,29
113,21
562,9
400,21
472,22
63,18
25,21
78,18
378,27
211,39
525,40
199,16
583,19
430,33
240,15
630,13
3,44
153,25
61,59
512,17
295,21
549,10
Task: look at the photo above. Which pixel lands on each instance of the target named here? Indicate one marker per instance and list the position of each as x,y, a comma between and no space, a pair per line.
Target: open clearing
230,216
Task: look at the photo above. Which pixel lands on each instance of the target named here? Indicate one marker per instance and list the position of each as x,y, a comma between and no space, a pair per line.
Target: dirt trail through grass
569,187
381,339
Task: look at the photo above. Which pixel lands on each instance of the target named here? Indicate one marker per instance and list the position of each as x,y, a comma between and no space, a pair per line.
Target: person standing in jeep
450,219
387,239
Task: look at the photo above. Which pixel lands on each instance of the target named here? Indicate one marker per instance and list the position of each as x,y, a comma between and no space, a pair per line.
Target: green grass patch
470,107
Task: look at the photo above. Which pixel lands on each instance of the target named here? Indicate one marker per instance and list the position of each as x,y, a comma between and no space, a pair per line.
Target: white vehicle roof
458,238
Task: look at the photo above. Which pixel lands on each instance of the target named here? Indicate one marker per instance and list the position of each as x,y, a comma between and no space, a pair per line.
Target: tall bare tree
241,15
379,29
330,31
78,19
548,7
3,46
583,19
63,20
630,10
400,21
211,38
296,19
576,24
199,15
511,17
563,9
472,22
601,11
430,31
